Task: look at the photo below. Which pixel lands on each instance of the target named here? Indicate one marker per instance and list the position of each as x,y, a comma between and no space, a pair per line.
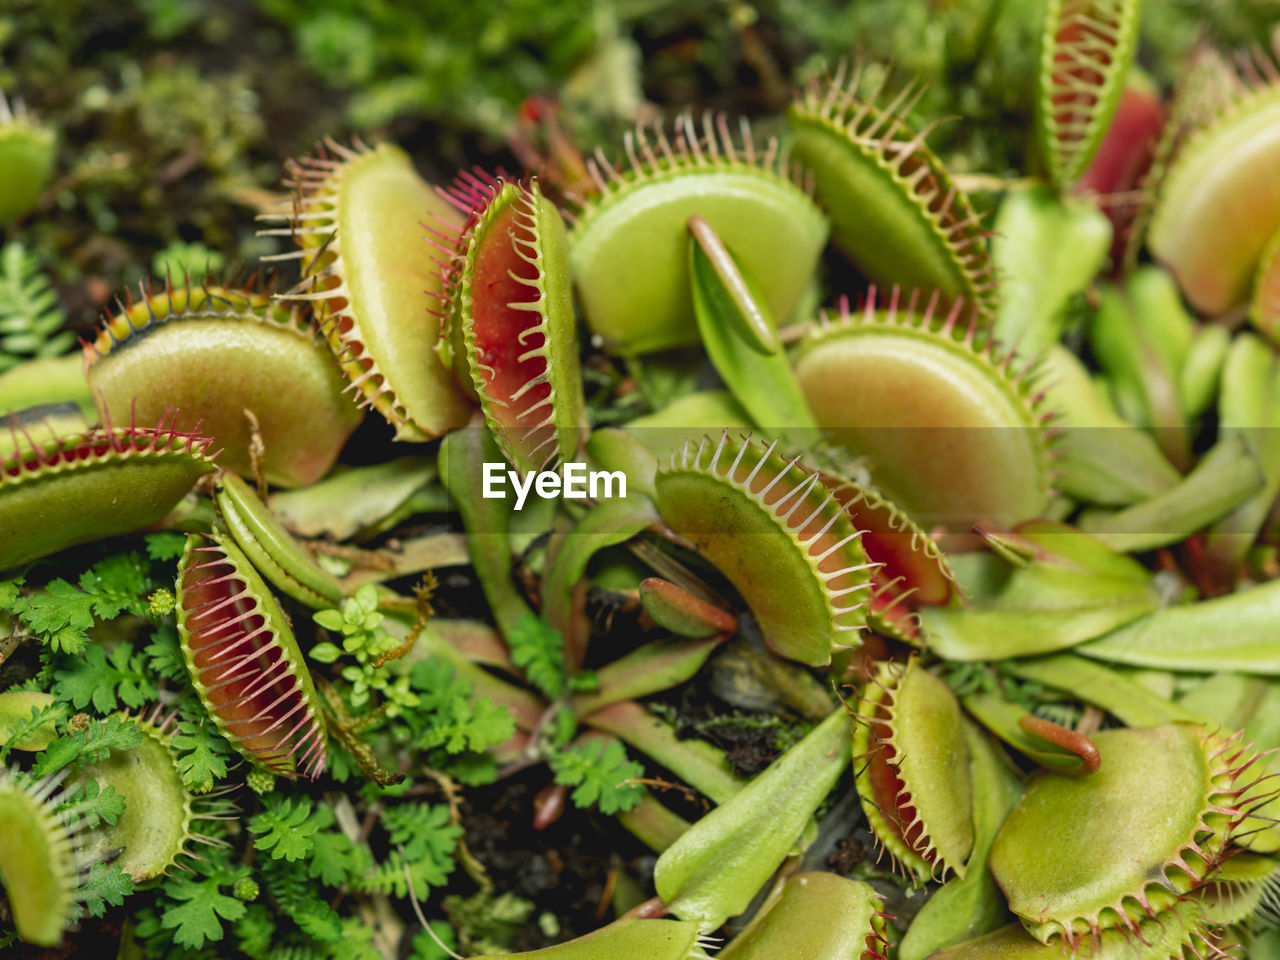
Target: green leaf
367,598
104,886
60,615
1047,248
104,679
391,877
95,803
425,946
740,339
584,681
424,831
472,769
165,545
717,866
256,930
471,726
118,584
539,649
164,655
202,755
325,653
316,919
356,942
335,860
437,683
285,828
329,619
9,590
93,743
29,311
196,920
294,895
598,773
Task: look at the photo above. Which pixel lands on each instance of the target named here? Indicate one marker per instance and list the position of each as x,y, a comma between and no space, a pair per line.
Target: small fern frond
30,319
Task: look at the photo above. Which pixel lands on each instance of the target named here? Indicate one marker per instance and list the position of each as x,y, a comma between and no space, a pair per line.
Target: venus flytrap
1168,937
1219,168
244,661
894,209
161,817
913,771
1085,53
182,346
969,445
907,554
271,548
971,905
726,497
628,245
356,210
1169,848
508,317
39,866
147,469
822,915
681,612
26,159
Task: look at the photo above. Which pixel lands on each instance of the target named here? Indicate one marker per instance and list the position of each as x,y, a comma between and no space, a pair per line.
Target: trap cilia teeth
53,488
219,353
1161,814
913,774
894,209
951,426
781,538
358,216
40,857
244,661
161,815
694,257
507,323
629,237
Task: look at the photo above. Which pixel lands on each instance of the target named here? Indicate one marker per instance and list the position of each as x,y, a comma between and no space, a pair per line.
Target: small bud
160,603
260,781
